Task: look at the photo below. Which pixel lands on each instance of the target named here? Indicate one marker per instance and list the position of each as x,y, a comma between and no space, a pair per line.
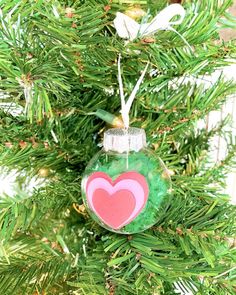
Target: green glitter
146,163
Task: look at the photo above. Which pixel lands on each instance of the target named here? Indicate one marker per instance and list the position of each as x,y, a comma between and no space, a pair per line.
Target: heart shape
117,202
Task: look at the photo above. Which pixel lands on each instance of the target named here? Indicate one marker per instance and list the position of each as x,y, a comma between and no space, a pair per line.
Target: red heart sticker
117,202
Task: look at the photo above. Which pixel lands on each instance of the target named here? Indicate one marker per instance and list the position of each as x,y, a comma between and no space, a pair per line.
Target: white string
136,88
122,96
126,106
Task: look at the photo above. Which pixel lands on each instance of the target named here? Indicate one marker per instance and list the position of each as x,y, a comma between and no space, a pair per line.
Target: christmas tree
58,62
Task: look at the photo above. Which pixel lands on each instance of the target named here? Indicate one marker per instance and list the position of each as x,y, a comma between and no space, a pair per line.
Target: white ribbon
128,28
125,106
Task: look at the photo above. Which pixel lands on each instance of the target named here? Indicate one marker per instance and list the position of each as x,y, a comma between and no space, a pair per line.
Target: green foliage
58,60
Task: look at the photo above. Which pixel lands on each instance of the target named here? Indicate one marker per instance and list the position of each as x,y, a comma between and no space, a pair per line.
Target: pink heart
117,202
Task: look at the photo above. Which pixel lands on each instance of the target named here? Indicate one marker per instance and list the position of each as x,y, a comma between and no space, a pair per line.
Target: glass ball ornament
125,185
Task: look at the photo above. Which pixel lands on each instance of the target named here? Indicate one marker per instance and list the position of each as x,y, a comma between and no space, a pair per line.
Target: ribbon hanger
128,28
126,105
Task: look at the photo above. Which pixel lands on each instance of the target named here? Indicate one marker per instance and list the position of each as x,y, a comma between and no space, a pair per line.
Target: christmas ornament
128,28
125,185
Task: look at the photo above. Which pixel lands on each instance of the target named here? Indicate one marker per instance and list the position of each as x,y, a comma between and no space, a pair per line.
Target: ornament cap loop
124,140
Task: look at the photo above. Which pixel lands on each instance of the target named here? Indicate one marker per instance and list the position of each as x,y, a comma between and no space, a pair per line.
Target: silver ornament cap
124,140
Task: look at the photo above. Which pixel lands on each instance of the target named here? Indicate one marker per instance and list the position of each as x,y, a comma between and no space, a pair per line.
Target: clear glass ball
126,192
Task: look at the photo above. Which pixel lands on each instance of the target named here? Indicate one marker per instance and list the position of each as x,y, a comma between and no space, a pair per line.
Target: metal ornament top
124,140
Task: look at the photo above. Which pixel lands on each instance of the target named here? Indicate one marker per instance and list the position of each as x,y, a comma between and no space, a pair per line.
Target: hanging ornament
125,184
127,28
